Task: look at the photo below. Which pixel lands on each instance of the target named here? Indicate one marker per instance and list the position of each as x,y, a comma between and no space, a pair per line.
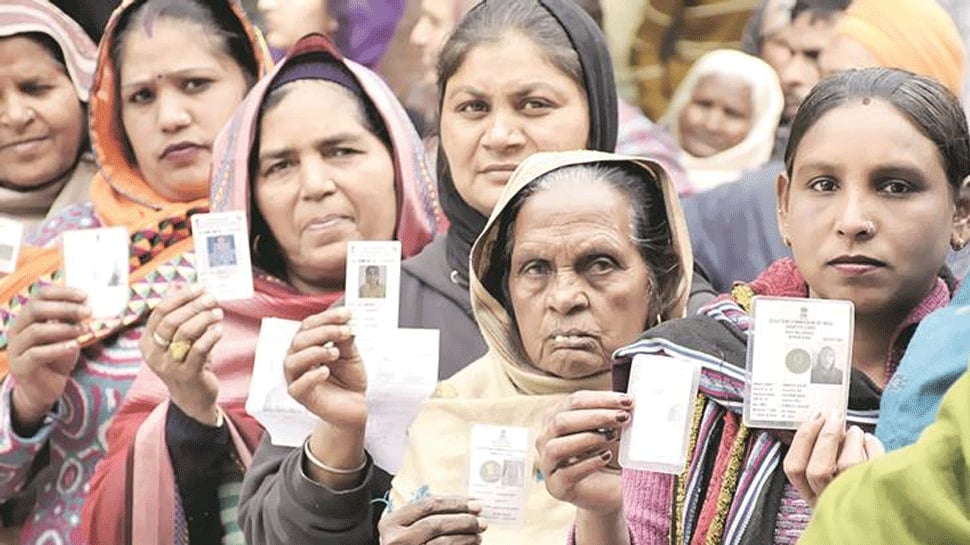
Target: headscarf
139,426
159,228
365,28
79,54
915,35
600,85
767,104
497,389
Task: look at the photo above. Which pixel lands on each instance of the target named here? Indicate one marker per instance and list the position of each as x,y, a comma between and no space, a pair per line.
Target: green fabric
917,495
229,493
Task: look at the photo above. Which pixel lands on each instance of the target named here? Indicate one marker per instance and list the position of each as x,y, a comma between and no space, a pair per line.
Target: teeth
560,338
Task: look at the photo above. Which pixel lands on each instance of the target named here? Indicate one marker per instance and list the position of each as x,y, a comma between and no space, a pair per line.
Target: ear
782,189
961,217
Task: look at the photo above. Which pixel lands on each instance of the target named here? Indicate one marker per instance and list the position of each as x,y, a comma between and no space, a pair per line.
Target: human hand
188,318
43,350
822,449
433,521
325,373
578,441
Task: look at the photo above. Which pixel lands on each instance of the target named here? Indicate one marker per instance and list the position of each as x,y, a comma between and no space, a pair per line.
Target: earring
786,240
256,241
957,243
660,319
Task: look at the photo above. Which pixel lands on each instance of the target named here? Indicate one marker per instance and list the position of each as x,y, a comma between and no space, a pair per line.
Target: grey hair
491,21
649,228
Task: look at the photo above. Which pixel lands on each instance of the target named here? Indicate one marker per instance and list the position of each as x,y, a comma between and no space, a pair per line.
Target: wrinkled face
718,116
843,53
806,37
177,91
286,21
577,282
505,103
437,19
41,119
869,211
321,185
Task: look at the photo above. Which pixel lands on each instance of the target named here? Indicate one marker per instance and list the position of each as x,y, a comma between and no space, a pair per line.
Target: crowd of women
546,260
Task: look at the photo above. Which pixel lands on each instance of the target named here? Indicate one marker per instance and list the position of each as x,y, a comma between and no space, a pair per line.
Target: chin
574,366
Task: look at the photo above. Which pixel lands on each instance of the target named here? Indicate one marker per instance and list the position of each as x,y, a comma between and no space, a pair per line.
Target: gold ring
179,349
160,341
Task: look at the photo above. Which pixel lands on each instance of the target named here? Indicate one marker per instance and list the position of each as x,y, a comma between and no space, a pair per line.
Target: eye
536,103
535,267
35,88
472,107
196,85
823,185
601,265
341,152
141,96
896,187
276,167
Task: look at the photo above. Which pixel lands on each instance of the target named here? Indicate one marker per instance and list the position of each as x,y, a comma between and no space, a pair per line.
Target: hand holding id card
799,360
222,258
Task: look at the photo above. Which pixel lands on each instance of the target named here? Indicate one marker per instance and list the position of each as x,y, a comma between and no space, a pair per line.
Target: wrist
327,449
25,416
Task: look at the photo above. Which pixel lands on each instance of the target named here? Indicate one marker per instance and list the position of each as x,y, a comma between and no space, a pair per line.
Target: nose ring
869,228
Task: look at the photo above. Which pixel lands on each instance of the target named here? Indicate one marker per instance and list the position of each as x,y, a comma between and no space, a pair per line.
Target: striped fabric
80,53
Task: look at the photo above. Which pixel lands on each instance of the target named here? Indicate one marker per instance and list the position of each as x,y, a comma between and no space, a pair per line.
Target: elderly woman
309,188
724,115
46,67
874,194
159,98
559,284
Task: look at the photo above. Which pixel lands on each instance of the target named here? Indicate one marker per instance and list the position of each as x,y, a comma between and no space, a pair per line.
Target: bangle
329,469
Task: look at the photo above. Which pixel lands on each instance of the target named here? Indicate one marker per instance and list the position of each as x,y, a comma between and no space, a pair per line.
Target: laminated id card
104,279
799,360
373,284
222,258
499,471
664,390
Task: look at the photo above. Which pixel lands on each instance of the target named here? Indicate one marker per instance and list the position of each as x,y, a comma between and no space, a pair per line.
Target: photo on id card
104,279
373,284
222,254
799,360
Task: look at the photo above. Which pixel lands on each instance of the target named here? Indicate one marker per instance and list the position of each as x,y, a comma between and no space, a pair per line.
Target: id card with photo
96,262
11,235
373,284
499,471
799,360
222,254
664,390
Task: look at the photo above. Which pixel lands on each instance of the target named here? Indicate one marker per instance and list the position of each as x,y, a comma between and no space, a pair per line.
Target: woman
495,112
559,285
365,166
873,153
46,67
724,115
159,98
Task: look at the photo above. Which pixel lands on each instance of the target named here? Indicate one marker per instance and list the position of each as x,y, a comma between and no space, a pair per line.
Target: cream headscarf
497,389
767,101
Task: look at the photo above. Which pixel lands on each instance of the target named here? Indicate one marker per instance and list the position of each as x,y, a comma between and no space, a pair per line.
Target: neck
311,287
872,342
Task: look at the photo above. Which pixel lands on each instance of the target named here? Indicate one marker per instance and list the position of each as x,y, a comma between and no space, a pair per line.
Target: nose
797,72
172,113
567,294
16,113
855,222
316,180
713,120
502,133
419,35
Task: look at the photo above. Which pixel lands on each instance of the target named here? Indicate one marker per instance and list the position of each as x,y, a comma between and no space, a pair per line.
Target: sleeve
647,500
281,505
18,453
197,452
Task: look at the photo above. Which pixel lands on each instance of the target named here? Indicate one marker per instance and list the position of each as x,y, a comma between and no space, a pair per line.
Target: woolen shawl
501,388
600,85
137,465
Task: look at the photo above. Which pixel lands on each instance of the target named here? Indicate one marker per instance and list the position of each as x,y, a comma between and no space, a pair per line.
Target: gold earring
957,243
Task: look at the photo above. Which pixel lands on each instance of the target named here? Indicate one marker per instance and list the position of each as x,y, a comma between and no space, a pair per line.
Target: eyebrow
900,170
330,141
193,70
522,90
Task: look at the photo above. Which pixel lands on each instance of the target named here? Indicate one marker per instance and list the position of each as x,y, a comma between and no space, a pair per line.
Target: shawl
732,487
767,101
916,35
498,389
913,496
79,52
599,83
137,465
159,228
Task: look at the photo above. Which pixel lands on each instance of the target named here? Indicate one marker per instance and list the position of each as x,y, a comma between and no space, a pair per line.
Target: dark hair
928,105
489,22
650,229
819,9
267,254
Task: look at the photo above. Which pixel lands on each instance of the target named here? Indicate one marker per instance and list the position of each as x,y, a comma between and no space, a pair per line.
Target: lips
327,222
572,340
856,265
23,142
182,152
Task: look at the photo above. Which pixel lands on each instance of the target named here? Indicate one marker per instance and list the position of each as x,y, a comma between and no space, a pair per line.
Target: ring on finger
162,342
179,349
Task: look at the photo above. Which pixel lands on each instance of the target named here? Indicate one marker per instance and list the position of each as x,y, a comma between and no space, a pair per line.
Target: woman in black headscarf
515,77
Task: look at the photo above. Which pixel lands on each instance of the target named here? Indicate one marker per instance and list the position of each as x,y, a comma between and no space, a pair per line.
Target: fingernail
606,455
217,313
482,524
334,353
208,300
70,346
626,400
856,429
816,415
835,414
474,506
344,331
622,416
84,312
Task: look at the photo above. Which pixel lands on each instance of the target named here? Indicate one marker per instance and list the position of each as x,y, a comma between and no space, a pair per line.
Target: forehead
305,102
513,60
557,210
809,32
166,45
20,55
723,85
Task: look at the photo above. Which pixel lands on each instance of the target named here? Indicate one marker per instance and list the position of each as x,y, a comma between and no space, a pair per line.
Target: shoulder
470,382
75,216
